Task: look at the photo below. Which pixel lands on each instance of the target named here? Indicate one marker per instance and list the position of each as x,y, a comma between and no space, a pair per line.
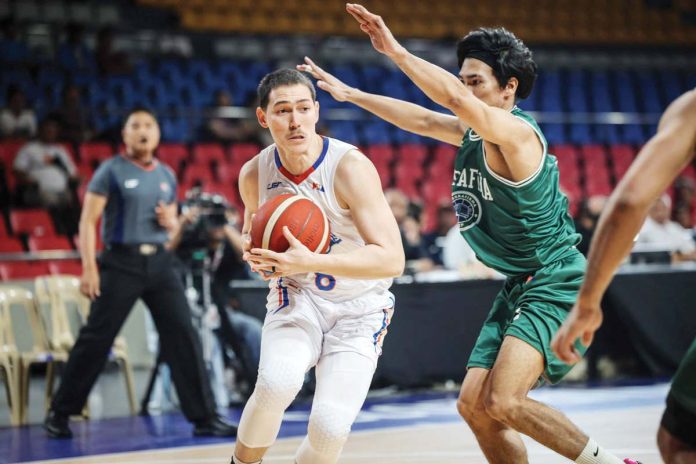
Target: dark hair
12,90
279,78
138,109
510,57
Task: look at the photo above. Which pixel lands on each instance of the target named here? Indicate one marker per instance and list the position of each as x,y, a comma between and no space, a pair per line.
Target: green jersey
514,227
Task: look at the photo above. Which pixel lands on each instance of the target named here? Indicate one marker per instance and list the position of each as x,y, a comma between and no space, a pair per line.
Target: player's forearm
612,242
88,244
368,262
438,84
405,115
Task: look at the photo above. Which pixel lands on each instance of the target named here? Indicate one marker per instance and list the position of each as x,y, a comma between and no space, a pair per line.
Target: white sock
237,461
595,454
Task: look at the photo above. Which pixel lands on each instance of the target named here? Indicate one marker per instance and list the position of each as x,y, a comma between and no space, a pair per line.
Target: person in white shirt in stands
659,232
46,164
16,120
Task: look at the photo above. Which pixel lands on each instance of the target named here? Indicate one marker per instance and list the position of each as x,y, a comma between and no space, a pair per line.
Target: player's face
291,116
479,78
141,134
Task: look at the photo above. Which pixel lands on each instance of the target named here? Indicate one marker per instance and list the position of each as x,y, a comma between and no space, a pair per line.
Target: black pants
125,277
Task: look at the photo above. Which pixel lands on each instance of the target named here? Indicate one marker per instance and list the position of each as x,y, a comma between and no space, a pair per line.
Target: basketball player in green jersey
657,164
510,209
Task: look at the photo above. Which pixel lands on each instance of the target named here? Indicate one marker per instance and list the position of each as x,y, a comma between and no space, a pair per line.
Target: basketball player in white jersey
325,310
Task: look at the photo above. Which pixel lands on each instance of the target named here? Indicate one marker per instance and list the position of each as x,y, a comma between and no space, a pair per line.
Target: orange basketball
302,216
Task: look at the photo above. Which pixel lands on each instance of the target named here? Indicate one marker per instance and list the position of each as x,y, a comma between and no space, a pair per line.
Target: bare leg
673,450
516,370
499,442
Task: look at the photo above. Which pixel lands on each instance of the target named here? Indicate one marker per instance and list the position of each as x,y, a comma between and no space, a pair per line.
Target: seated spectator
417,259
221,127
586,220
74,118
17,121
434,240
13,52
459,256
46,177
684,190
659,233
73,54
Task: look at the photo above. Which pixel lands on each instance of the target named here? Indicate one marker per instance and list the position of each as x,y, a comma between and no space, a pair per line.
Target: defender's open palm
582,322
373,25
326,81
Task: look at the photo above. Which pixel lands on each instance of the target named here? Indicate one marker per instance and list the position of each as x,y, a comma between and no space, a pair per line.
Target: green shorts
683,387
532,308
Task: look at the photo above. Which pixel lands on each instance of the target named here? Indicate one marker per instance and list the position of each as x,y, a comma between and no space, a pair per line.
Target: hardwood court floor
427,430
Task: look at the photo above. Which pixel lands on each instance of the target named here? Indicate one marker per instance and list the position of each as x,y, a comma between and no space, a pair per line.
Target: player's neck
298,162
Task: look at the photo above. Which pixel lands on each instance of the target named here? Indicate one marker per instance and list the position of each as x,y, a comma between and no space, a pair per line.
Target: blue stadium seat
648,88
623,86
175,130
551,97
601,95
344,130
376,132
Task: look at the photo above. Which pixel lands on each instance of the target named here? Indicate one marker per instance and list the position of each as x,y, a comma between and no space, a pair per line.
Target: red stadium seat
3,228
69,267
412,153
207,152
22,270
49,243
380,154
197,173
36,222
173,154
8,151
243,152
228,173
85,170
95,152
11,245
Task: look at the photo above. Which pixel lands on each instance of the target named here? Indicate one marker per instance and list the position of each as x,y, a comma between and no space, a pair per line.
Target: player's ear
511,87
316,110
261,116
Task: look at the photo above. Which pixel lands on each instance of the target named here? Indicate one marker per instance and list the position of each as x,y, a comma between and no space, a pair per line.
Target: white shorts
358,325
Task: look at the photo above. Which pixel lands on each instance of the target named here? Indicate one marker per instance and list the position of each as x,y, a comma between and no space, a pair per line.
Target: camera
210,214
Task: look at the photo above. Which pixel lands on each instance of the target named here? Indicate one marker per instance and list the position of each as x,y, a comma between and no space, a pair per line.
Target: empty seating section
580,22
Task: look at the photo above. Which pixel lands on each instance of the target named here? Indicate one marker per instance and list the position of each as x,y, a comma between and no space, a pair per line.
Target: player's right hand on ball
89,284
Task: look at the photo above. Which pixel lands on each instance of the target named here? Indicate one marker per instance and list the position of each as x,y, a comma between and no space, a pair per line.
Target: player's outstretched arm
405,115
659,162
495,125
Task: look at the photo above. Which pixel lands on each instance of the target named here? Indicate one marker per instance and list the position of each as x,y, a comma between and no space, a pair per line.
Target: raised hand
373,25
326,81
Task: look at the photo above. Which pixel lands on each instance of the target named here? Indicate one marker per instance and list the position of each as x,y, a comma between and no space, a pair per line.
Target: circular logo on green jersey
468,209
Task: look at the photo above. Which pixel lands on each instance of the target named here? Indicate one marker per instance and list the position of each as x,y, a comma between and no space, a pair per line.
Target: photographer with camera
209,246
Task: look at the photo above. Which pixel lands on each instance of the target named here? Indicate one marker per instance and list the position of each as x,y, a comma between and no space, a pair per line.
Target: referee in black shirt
137,196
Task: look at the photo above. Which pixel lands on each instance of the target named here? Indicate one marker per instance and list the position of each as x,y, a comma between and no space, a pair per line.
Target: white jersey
317,184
